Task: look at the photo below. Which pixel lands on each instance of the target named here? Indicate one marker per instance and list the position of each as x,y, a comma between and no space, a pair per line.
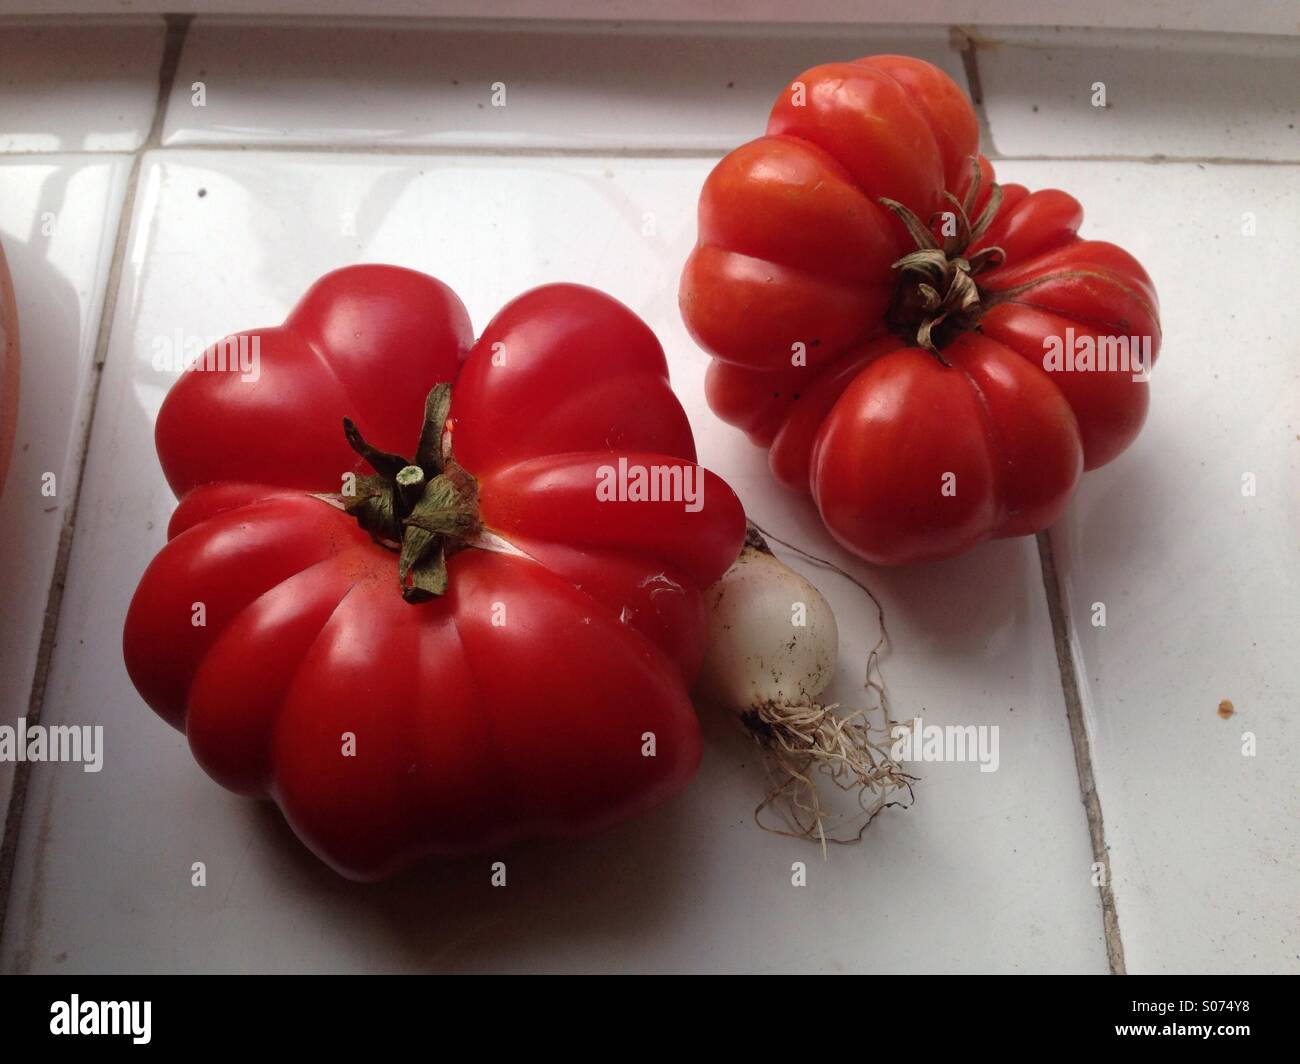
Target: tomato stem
936,296
422,509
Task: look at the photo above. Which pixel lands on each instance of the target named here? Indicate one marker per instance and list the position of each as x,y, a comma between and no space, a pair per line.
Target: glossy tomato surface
517,704
795,290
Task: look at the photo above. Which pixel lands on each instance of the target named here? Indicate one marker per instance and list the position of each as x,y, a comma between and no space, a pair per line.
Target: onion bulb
773,651
772,636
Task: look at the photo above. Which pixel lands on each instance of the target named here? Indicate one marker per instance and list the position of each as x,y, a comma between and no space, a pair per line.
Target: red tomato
898,331
517,697
8,367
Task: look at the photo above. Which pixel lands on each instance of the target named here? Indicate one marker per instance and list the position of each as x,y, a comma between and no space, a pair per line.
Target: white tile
78,85
600,86
1201,585
58,219
1179,95
986,872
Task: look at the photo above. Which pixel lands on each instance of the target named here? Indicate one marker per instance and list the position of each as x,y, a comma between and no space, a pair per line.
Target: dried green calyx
423,508
936,296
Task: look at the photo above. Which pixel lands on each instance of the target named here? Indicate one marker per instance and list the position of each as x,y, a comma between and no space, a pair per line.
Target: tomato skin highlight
792,288
517,704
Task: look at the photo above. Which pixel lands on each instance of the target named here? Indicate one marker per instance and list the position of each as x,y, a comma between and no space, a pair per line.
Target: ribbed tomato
8,367
521,668
934,358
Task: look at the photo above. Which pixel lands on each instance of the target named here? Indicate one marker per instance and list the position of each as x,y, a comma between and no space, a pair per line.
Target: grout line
1153,160
964,42
489,150
1082,750
967,43
279,147
176,29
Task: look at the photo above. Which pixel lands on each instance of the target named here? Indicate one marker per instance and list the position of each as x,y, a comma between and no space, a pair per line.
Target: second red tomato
933,358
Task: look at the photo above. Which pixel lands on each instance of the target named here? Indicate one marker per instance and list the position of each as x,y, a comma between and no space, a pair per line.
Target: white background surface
379,157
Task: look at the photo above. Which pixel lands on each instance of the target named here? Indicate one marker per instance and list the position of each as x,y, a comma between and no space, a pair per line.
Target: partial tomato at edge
9,367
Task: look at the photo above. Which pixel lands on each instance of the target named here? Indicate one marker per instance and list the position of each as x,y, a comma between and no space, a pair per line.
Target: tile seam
593,152
1082,751
175,36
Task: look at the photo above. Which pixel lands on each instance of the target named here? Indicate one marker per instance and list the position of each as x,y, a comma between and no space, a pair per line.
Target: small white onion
772,636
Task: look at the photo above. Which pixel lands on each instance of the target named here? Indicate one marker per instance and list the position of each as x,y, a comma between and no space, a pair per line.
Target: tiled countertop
128,213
